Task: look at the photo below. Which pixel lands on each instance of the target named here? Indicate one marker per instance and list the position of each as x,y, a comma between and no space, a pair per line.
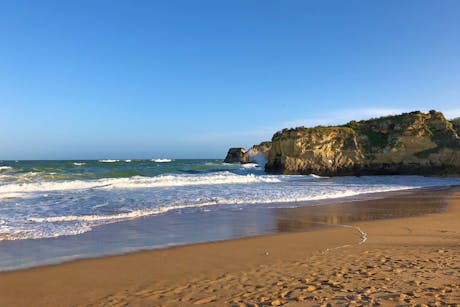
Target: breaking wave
204,203
136,182
161,160
41,199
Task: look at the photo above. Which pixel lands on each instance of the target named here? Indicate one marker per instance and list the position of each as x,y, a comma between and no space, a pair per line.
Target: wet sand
212,224
403,261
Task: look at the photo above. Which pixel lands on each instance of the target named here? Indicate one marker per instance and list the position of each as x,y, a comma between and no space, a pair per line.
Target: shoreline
253,267
282,218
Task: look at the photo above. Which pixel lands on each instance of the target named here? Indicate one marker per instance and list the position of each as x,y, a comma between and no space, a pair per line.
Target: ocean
42,200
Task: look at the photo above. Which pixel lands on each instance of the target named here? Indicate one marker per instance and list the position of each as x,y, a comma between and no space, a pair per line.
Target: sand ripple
352,277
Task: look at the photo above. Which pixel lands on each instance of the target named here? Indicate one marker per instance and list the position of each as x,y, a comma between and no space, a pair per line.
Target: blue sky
147,79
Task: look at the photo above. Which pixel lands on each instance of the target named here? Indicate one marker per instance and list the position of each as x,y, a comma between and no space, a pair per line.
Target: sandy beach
229,153
390,262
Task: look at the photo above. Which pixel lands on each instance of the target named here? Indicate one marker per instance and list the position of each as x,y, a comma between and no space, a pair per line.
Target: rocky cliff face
456,123
259,153
410,143
321,150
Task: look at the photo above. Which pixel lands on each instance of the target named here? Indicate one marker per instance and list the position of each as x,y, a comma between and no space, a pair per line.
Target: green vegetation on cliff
409,143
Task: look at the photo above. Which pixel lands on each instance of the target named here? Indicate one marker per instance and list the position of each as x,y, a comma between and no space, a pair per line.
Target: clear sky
149,79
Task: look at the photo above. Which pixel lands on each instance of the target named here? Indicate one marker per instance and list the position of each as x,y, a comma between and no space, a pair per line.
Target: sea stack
236,154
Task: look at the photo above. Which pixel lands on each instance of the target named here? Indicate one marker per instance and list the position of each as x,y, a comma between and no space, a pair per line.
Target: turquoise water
45,199
30,171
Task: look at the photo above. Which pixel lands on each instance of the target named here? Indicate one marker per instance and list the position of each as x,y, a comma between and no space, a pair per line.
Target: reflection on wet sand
401,205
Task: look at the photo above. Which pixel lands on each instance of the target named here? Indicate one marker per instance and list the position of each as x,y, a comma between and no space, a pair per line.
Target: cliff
456,123
410,143
259,153
320,150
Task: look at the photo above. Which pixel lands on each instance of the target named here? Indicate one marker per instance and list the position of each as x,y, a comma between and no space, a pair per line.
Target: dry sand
403,262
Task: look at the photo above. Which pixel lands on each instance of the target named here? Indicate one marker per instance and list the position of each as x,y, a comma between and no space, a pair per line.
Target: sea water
47,199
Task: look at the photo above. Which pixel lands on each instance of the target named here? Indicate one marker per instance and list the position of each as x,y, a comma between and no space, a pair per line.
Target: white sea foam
250,165
136,182
233,165
91,218
161,160
119,216
5,168
203,203
53,231
45,208
317,176
208,202
108,161
83,223
127,161
79,163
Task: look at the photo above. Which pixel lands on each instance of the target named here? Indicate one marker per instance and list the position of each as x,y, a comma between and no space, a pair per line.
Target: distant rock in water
236,154
413,143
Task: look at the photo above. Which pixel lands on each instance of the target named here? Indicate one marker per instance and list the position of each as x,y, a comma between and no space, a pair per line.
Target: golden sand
404,262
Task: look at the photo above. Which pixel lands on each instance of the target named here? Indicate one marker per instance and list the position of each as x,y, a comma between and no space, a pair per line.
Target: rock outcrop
456,123
410,143
320,150
259,153
236,154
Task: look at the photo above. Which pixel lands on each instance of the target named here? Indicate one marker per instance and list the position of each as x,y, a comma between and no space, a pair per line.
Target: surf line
362,235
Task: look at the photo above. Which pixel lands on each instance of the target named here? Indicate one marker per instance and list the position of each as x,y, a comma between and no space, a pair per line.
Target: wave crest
135,182
161,160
